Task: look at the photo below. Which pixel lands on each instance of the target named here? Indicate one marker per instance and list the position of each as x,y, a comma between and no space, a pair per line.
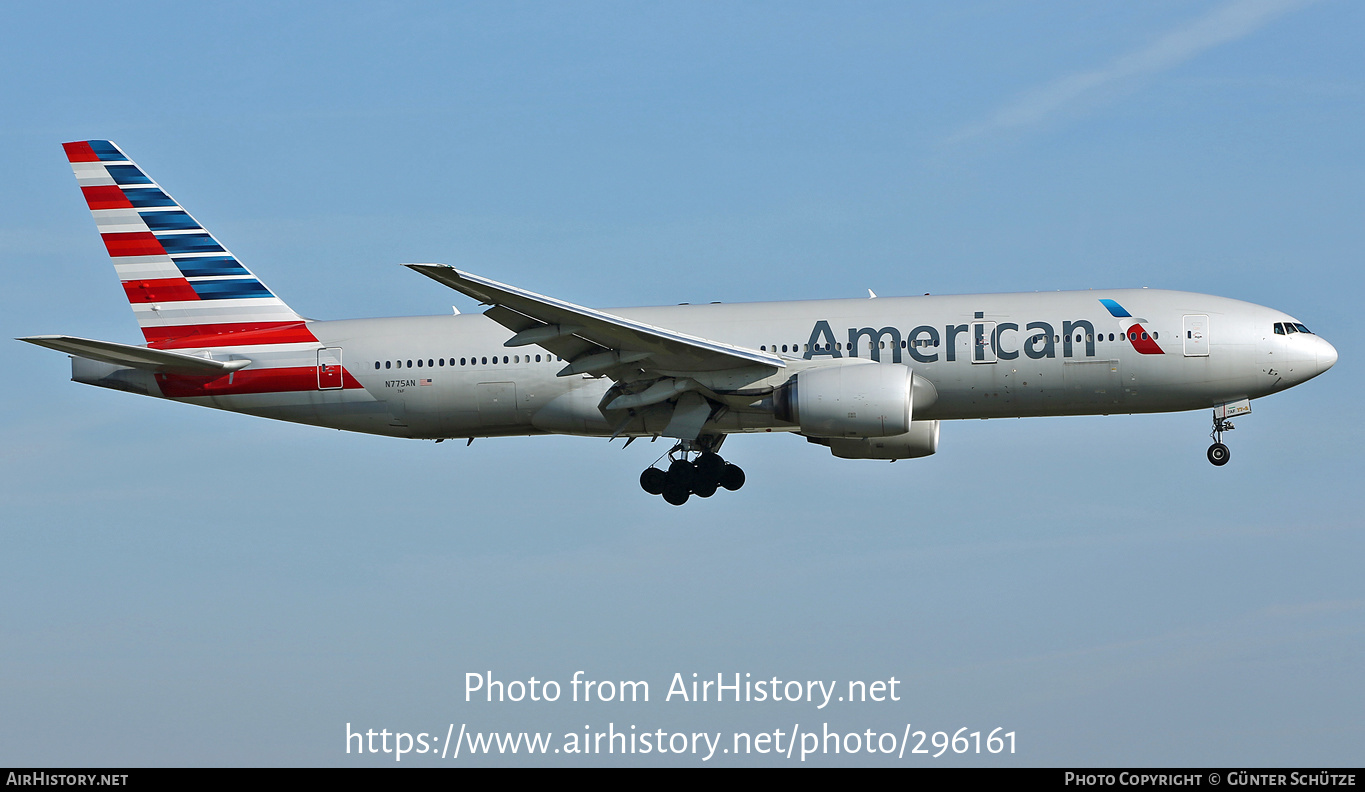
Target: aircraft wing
158,360
596,342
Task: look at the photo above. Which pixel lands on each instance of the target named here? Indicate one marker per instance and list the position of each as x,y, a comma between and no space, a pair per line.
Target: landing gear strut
686,476
1219,453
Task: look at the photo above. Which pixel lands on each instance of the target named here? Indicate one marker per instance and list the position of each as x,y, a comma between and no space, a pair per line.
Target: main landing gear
1219,453
684,478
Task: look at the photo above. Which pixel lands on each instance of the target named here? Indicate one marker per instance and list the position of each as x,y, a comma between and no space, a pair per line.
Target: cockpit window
1284,328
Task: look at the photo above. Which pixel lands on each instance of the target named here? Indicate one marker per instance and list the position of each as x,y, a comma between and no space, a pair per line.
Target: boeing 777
868,378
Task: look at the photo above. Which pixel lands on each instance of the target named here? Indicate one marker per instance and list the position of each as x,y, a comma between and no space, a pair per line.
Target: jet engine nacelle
920,441
850,400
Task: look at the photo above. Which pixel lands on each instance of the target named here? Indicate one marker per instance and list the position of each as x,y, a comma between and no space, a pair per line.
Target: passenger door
1196,335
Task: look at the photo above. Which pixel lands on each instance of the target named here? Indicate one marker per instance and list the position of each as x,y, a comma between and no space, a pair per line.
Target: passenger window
409,364
461,361
419,363
376,365
537,358
388,364
484,361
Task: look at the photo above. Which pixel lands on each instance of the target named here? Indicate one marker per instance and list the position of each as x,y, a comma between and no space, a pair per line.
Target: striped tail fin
184,287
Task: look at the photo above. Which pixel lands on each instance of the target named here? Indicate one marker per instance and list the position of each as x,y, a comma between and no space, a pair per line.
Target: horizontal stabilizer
137,357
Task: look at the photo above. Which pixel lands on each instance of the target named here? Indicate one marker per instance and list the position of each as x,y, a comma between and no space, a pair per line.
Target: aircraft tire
709,466
1219,454
681,475
731,477
653,480
704,489
676,496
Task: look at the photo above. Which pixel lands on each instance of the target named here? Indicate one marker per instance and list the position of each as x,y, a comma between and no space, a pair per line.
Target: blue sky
188,587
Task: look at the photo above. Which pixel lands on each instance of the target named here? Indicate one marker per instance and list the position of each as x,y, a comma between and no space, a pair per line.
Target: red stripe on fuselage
228,334
80,151
159,290
137,243
106,197
276,380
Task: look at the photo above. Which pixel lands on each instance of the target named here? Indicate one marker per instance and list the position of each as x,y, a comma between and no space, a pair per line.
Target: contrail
1228,22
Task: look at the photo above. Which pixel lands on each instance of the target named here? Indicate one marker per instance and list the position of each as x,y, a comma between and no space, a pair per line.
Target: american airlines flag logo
423,382
1142,339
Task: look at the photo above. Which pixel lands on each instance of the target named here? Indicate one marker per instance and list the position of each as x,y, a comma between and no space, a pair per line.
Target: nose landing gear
1219,453
685,477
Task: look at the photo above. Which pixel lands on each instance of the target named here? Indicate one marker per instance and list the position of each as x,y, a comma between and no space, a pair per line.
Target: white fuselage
986,355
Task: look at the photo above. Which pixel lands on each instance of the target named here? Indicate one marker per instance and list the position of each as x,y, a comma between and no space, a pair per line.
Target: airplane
867,378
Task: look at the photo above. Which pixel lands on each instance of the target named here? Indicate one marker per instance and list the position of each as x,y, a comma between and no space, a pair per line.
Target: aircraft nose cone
1327,355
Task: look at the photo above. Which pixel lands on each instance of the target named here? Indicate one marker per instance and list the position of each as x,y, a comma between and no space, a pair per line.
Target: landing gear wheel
675,495
1219,453
681,475
709,466
653,480
686,475
731,477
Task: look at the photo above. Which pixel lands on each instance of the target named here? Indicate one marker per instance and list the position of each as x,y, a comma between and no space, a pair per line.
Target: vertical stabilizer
182,284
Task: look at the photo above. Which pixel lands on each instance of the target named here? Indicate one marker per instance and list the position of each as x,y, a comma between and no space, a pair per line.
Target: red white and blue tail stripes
189,293
1142,339
182,284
